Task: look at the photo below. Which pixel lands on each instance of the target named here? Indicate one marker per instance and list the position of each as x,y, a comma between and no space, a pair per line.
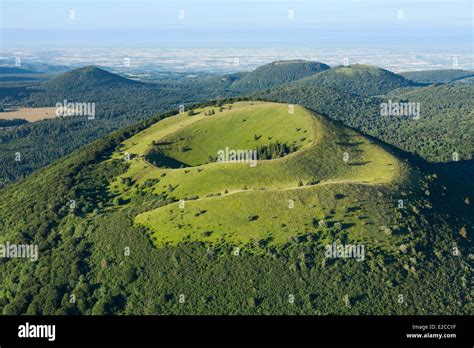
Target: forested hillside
445,130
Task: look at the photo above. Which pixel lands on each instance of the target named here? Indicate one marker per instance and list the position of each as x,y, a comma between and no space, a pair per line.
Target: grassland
241,127
324,190
30,114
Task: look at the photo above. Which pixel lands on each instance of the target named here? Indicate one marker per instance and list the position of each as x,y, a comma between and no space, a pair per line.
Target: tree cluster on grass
275,150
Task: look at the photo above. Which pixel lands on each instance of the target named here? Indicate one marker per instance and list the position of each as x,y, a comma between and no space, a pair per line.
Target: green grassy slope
236,191
245,126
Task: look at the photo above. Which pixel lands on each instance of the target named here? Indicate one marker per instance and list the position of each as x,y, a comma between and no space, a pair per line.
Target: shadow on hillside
461,170
402,154
159,159
349,144
359,163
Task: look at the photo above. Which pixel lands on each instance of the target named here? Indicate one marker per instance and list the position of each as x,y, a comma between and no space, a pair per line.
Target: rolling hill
88,78
363,80
148,221
276,73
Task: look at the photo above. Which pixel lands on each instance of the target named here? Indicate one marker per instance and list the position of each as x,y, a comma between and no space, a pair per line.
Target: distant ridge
11,70
276,73
437,76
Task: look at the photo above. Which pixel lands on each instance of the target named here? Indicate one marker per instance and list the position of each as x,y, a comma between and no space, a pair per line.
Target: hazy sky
429,24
